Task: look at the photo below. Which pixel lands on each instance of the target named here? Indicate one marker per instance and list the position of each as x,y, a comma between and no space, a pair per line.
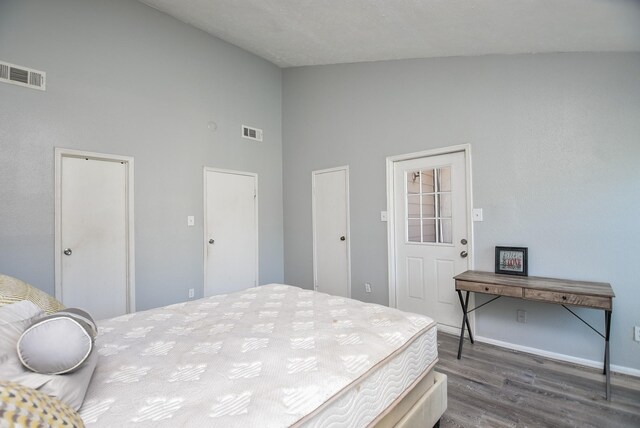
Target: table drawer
568,298
479,287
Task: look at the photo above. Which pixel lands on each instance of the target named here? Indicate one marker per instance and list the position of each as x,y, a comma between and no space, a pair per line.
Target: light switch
383,216
191,221
477,214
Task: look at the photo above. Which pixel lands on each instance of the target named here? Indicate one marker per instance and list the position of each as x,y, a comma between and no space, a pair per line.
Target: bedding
23,407
270,356
12,290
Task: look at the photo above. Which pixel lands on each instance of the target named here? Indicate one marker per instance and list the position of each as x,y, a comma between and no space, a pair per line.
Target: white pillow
58,343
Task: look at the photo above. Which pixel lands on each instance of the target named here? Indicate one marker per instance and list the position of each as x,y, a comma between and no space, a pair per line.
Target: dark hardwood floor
497,387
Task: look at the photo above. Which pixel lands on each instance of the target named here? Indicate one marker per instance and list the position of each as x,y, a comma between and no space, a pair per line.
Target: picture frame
512,261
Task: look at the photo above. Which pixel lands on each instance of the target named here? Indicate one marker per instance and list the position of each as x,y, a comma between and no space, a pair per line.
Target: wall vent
251,133
22,76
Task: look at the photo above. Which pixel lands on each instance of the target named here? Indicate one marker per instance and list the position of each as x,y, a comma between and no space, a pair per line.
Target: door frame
60,153
204,219
391,235
344,168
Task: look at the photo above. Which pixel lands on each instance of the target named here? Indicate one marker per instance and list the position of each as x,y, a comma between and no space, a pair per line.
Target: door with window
431,236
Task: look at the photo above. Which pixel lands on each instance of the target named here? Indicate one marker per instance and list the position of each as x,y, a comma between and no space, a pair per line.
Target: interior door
231,231
430,212
330,195
93,236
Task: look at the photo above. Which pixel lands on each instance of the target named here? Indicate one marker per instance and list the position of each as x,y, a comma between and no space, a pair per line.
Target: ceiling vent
22,76
251,133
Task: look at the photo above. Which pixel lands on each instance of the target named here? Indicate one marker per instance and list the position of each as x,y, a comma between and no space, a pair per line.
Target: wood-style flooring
496,387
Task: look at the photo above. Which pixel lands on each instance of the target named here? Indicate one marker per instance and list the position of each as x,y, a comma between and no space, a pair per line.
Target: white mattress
272,356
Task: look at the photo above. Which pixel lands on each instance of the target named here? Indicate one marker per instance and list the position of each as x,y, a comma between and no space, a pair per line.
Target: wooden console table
595,295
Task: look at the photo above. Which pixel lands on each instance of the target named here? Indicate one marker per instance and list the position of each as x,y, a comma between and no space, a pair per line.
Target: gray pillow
58,343
69,388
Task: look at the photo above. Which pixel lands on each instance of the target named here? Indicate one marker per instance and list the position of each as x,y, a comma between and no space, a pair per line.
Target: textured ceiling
307,32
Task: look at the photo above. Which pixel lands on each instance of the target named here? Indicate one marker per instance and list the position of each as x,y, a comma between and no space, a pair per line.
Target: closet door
93,246
331,250
231,231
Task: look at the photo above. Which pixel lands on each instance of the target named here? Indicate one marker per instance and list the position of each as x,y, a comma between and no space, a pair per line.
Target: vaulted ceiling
310,32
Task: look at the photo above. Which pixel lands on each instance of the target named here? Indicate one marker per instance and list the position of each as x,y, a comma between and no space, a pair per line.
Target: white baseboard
451,330
456,330
553,355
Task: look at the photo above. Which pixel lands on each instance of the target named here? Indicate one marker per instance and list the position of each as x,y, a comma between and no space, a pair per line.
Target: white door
330,205
93,235
430,216
231,231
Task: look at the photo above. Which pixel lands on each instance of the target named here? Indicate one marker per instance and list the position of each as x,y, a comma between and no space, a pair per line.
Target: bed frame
422,406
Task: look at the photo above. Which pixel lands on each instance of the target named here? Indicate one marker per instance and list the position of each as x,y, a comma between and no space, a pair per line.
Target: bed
270,356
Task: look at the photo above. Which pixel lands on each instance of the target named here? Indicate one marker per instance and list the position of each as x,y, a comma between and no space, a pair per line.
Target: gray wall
555,149
126,79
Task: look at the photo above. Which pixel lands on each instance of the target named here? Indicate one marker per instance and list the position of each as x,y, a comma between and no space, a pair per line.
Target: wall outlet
191,221
191,293
636,333
367,287
521,316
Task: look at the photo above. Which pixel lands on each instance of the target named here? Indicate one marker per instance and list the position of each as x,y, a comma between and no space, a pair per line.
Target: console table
595,295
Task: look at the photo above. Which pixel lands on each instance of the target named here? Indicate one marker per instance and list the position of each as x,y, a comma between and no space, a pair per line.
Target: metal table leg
465,305
468,325
607,361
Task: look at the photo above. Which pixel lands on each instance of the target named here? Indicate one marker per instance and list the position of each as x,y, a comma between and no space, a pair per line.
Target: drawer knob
564,297
486,288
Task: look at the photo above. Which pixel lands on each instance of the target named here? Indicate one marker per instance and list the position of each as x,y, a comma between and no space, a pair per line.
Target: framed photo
512,260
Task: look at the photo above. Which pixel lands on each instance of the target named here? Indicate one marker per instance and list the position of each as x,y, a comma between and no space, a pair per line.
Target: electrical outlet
636,333
367,287
191,221
522,316
191,293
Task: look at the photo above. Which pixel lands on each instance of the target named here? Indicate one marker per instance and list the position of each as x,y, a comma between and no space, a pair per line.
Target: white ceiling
307,32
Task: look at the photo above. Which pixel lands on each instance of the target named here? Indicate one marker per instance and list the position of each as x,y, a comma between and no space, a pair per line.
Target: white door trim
59,153
391,248
313,222
205,242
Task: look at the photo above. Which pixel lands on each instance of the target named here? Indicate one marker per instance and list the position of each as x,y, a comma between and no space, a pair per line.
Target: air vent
251,133
22,76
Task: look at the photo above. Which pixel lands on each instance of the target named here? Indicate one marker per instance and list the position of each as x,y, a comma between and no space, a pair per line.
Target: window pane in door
428,206
413,230
444,205
429,230
444,231
413,182
427,181
444,179
413,206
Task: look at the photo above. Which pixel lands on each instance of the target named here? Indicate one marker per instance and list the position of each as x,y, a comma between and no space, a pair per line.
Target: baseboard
450,330
555,356
454,330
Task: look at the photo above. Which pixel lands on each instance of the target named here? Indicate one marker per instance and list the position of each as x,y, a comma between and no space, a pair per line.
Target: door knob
463,254
342,238
211,241
67,251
